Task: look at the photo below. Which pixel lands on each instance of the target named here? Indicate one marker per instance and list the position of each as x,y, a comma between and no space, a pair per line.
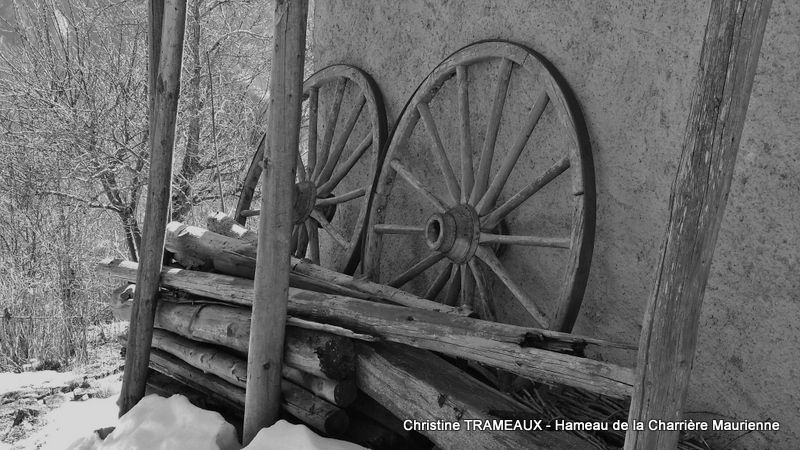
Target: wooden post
669,334
272,259
167,20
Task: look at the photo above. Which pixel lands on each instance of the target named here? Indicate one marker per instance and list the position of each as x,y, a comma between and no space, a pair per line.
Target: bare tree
76,103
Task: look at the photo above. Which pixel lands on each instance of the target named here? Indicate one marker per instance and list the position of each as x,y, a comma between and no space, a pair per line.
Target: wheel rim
336,167
460,230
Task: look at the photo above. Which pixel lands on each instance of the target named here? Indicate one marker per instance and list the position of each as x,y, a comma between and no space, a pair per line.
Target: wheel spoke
500,179
467,172
346,197
439,153
386,228
454,289
437,202
300,169
338,147
313,240
491,260
416,269
330,229
492,127
327,139
346,167
467,287
535,241
485,307
294,240
302,241
438,283
493,218
313,110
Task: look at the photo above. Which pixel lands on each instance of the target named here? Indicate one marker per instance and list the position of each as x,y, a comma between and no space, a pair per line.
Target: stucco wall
632,67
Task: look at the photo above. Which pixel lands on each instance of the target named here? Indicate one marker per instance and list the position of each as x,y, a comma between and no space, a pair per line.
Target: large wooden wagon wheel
459,191
336,167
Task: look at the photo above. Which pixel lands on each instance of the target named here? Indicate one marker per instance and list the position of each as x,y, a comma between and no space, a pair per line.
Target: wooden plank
234,257
335,308
728,62
277,180
165,89
525,351
418,385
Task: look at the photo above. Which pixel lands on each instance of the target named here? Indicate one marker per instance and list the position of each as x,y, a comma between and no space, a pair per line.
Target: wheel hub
305,195
454,233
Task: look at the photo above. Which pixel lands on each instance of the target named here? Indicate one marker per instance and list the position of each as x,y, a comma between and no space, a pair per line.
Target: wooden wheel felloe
456,181
336,167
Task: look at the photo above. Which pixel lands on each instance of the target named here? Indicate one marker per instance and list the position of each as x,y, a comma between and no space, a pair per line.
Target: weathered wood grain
167,20
233,369
274,236
728,62
415,384
233,253
298,402
521,350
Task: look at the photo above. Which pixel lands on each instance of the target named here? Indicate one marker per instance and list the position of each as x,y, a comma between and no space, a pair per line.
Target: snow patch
71,421
10,382
283,435
158,423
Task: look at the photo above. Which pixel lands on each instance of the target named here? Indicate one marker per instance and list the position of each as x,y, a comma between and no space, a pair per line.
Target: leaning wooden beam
121,310
233,369
669,334
417,384
298,402
196,247
504,346
277,181
164,90
353,313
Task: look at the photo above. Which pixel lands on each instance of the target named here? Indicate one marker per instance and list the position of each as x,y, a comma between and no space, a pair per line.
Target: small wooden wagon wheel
336,167
463,199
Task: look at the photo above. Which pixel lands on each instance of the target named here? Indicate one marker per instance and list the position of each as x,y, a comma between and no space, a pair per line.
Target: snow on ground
159,423
75,419
43,379
284,435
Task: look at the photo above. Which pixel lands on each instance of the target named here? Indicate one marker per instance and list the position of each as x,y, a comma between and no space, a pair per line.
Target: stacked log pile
359,355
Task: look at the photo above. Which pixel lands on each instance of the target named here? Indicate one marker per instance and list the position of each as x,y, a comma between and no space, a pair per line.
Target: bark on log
322,355
226,225
233,369
277,181
121,304
197,247
341,393
298,402
417,384
497,345
360,314
168,20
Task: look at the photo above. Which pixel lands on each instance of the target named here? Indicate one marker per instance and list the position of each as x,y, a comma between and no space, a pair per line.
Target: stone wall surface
632,65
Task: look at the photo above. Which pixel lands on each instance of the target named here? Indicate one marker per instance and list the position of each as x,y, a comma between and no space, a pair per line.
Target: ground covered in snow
77,410
37,408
